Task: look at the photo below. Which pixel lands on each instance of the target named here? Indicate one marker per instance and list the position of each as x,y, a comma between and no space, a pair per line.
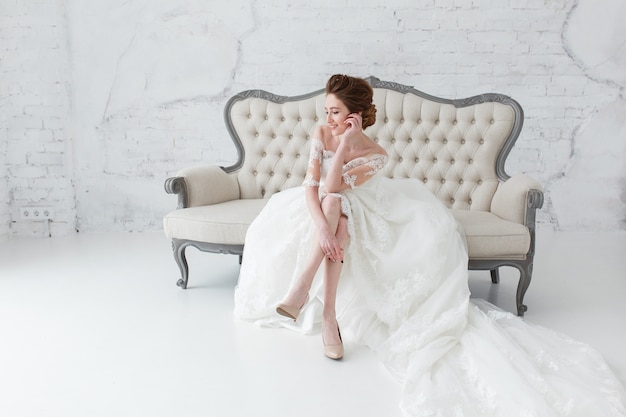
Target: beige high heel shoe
290,311
334,351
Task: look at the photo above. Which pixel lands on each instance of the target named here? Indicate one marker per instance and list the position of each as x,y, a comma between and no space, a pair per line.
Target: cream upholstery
457,148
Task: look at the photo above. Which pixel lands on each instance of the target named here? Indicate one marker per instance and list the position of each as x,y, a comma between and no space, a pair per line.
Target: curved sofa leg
526,271
495,275
179,246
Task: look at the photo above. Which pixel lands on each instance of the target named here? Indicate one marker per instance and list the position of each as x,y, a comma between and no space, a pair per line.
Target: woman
394,277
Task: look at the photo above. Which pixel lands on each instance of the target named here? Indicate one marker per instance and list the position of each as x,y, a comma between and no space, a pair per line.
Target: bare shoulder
321,133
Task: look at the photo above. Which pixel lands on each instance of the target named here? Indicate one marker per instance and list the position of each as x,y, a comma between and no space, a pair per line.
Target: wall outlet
36,213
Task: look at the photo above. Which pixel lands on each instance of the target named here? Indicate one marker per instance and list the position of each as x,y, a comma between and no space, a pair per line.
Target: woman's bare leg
330,332
297,294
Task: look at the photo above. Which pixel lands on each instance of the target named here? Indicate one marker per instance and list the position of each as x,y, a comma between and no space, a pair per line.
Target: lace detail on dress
349,179
317,150
309,181
315,161
375,162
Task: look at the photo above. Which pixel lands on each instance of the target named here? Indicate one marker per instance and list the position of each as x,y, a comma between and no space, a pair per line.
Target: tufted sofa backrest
456,147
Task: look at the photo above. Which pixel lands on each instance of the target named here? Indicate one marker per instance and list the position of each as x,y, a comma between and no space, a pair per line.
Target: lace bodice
355,172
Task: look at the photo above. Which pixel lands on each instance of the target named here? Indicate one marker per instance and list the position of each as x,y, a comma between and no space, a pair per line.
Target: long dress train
404,293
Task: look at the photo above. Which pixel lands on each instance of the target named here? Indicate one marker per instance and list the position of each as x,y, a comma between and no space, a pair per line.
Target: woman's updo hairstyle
356,94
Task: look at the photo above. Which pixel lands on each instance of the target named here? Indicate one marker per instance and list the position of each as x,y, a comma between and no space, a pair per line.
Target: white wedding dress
404,292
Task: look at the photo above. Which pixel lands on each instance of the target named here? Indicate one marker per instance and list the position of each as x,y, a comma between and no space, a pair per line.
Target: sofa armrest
204,185
517,198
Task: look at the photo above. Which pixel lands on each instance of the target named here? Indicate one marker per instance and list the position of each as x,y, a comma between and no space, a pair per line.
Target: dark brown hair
356,94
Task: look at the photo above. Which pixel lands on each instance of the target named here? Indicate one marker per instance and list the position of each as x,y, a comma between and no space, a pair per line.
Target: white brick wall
101,102
36,148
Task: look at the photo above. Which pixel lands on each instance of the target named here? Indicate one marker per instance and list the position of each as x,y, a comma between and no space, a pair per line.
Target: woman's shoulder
321,133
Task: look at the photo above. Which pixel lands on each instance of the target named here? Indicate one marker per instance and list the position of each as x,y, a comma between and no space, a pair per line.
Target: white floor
94,325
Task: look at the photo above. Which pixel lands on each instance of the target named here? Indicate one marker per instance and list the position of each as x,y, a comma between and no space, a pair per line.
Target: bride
383,262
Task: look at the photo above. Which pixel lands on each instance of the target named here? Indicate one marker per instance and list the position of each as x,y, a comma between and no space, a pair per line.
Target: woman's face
336,115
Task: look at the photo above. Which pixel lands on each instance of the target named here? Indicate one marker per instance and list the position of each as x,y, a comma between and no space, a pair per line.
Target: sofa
458,148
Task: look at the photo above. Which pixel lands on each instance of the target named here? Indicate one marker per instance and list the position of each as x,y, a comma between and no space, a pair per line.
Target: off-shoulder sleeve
360,170
313,173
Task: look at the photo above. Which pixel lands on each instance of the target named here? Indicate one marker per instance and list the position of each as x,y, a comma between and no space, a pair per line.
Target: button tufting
427,140
480,182
297,155
445,141
288,175
254,173
282,119
481,141
460,181
385,120
470,161
454,122
473,121
400,159
280,155
290,136
271,173
273,135
417,159
462,141
437,121
452,161
434,160
492,121
393,140
469,201
267,117
299,119
425,180
409,140
263,154
443,180
452,200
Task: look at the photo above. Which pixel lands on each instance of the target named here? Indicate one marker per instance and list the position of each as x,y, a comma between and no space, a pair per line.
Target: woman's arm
312,183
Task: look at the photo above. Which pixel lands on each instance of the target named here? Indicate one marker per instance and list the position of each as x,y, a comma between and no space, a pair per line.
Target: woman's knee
331,205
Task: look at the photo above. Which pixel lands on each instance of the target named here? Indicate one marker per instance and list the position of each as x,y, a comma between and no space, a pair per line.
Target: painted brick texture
35,108
103,101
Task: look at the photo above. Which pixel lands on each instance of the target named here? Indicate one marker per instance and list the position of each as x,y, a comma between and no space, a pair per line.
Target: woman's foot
291,311
331,338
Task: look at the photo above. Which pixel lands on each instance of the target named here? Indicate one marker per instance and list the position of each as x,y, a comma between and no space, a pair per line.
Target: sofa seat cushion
223,223
491,237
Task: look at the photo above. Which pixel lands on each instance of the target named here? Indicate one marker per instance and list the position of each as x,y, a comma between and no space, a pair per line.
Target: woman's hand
330,247
355,126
